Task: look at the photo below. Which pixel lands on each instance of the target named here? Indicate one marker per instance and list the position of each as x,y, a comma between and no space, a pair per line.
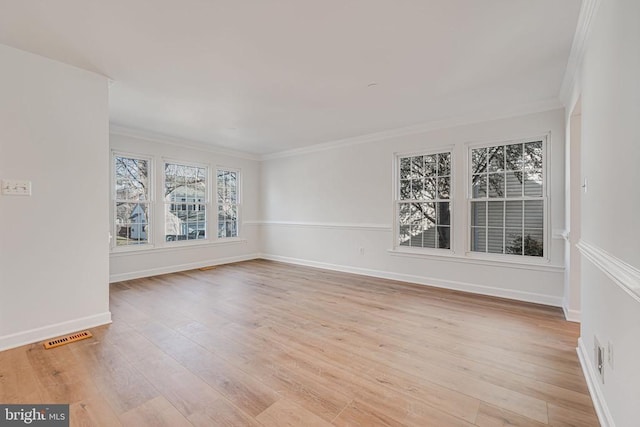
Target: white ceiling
264,76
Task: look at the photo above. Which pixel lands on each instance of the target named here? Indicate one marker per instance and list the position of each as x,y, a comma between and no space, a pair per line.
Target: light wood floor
261,343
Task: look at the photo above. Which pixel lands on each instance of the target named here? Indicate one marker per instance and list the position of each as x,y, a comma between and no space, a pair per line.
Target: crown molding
568,94
179,142
478,117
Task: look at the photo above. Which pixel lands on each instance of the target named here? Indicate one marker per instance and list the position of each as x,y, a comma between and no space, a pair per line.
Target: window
424,205
185,199
228,202
131,200
508,199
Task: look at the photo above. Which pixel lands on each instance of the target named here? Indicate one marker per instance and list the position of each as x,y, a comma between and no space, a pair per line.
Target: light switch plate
15,187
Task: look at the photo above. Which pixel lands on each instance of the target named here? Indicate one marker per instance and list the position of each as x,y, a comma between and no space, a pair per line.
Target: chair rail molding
624,275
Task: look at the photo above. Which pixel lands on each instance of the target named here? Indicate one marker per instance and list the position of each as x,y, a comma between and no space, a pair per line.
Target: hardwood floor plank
563,417
156,412
222,414
492,416
285,413
93,411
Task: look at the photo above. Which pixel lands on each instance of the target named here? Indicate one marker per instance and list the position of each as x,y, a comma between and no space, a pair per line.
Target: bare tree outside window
131,201
424,206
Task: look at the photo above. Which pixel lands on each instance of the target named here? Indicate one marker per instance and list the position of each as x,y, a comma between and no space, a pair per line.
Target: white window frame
238,173
161,196
397,200
150,203
525,259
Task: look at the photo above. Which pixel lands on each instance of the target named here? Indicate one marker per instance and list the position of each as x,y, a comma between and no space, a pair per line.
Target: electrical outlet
610,354
361,250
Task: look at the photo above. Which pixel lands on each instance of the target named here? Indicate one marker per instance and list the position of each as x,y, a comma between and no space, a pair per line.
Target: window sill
175,246
472,258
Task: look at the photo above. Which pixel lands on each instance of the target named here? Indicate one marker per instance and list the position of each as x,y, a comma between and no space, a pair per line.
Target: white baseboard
428,281
593,382
571,315
50,331
178,267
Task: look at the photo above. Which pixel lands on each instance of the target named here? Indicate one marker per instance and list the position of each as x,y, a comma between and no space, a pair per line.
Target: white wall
610,90
165,257
333,208
54,244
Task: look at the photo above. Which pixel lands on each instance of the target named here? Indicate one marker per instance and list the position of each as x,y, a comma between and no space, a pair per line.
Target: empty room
320,213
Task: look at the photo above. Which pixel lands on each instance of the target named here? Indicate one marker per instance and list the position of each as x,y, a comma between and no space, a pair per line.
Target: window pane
478,239
444,187
417,187
444,213
405,234
513,241
131,223
429,238
496,159
496,185
533,155
495,214
478,160
533,214
416,213
444,164
416,235
514,184
404,213
479,186
444,237
513,155
405,168
533,242
405,190
479,214
533,183
428,213
417,167
495,240
513,215
430,165
430,188
131,179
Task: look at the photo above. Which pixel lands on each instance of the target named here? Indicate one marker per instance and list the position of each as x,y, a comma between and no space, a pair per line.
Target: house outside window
132,201
185,199
508,198
423,202
228,201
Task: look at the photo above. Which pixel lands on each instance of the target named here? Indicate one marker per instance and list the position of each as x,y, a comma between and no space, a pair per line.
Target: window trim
150,203
161,196
238,172
396,247
546,232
